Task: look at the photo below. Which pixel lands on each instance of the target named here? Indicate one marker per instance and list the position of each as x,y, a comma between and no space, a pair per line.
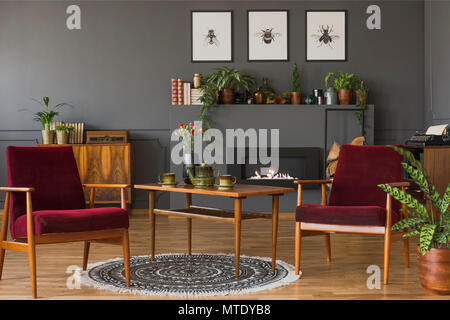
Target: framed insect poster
326,35
268,35
212,36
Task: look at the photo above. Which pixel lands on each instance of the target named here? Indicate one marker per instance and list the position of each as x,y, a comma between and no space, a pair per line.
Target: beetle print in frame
211,36
268,35
326,35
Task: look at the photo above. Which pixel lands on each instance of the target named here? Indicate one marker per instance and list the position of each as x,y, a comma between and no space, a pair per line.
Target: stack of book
183,94
76,135
174,83
195,96
187,93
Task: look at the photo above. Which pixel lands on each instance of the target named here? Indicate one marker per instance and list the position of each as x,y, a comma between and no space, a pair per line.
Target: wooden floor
344,278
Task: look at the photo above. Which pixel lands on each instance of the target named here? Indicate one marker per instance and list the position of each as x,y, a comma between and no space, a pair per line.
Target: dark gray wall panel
437,65
116,70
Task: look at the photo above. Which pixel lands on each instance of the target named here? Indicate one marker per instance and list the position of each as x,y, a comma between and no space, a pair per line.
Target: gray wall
437,64
116,70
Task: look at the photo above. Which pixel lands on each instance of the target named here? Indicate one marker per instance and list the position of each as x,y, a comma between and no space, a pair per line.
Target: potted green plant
62,134
212,89
296,95
362,94
431,223
330,91
344,84
228,81
45,117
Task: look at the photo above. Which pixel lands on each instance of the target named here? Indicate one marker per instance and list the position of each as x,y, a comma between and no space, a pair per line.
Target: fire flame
272,175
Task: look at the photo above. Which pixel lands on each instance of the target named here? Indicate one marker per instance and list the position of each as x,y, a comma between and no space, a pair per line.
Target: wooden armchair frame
28,244
331,228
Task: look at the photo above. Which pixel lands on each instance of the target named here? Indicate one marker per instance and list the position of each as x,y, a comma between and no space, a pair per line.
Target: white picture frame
268,35
326,35
211,36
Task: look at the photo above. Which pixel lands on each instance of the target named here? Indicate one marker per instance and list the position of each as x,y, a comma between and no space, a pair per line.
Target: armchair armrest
17,189
401,184
106,185
122,187
312,181
321,182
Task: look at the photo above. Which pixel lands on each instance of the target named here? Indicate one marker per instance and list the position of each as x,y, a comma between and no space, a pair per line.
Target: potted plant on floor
344,84
45,117
430,222
62,134
296,95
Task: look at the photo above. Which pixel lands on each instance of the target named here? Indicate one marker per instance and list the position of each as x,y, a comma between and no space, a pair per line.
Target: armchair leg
328,246
298,238
387,249
406,250
126,256
32,263
87,245
2,260
3,232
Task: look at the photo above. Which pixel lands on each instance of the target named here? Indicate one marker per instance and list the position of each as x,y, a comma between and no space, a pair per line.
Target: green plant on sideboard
46,116
48,113
64,128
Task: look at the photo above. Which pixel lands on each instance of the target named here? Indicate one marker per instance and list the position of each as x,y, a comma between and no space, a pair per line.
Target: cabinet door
437,165
107,164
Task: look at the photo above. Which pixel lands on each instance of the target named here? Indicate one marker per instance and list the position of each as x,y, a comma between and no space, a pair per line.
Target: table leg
189,223
151,207
237,232
275,202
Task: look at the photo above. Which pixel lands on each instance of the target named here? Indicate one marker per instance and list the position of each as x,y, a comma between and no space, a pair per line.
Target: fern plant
222,78
431,225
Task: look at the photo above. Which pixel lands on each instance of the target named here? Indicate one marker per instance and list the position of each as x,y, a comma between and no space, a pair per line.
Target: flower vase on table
187,163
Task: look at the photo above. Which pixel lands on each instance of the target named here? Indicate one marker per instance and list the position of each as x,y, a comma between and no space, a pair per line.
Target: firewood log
334,152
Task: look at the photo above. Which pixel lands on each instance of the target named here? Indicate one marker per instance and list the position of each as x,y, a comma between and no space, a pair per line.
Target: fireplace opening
295,163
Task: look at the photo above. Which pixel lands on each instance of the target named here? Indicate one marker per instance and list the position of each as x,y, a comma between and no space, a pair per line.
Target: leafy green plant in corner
66,129
296,79
430,224
48,113
222,78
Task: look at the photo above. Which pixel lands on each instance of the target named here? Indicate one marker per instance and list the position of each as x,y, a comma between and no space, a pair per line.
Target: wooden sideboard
104,163
436,161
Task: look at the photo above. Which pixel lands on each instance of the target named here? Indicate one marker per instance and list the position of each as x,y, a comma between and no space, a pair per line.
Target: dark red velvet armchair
356,204
46,204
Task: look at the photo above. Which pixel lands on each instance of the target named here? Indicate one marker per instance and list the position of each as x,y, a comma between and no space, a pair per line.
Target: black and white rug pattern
182,275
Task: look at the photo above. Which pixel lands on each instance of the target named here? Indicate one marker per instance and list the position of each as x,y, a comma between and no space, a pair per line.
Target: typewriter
434,136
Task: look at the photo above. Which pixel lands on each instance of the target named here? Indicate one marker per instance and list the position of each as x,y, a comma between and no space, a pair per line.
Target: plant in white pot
431,223
62,134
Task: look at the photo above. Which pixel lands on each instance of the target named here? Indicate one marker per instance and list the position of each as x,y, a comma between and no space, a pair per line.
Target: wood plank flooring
344,278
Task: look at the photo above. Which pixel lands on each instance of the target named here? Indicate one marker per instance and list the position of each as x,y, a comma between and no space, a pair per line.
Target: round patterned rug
182,275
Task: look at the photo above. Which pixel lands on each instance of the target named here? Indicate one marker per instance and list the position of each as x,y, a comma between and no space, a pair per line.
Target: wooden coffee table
238,193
